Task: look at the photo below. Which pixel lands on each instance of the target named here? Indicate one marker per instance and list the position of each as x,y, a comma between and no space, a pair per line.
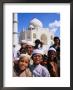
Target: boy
23,63
37,69
52,62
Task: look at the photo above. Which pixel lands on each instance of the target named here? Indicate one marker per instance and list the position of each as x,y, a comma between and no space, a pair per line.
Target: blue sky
45,18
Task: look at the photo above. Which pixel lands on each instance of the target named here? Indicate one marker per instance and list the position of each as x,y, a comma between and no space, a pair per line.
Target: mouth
37,61
52,55
22,67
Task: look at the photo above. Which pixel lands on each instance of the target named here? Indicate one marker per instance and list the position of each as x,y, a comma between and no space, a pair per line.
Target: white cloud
54,25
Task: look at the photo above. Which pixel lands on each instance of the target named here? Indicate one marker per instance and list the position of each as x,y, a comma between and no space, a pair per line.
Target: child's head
23,44
37,56
23,61
52,53
30,46
56,40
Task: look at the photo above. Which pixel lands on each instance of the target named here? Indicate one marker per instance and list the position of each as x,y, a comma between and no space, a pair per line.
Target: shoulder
52,46
31,67
28,72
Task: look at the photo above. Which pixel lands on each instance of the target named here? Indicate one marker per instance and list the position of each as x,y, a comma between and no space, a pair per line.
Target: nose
37,57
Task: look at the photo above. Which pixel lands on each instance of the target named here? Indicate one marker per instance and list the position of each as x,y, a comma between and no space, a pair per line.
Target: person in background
56,45
37,69
30,48
23,49
15,56
23,67
37,44
45,61
52,63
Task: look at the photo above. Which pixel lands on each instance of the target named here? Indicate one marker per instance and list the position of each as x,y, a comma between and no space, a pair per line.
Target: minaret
15,29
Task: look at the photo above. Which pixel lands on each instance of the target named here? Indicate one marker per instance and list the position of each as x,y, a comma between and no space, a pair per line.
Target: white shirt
40,71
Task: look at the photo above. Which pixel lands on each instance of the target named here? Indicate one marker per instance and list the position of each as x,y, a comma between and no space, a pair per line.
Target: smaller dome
31,26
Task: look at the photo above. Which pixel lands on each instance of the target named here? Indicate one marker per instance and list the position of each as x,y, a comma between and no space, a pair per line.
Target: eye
26,61
22,60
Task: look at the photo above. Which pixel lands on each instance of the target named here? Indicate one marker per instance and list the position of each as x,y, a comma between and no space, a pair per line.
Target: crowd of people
32,61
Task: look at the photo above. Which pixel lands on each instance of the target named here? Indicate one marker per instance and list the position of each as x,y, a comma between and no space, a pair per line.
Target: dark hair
45,57
56,38
37,41
16,67
23,50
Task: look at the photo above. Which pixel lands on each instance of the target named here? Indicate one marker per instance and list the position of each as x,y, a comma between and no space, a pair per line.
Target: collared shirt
40,71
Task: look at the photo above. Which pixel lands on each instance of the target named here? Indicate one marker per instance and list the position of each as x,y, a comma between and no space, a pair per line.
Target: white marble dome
36,23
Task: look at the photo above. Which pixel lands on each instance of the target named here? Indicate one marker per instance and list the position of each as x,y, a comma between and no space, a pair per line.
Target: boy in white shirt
37,69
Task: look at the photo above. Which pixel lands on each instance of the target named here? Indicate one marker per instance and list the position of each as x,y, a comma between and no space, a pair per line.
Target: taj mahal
35,31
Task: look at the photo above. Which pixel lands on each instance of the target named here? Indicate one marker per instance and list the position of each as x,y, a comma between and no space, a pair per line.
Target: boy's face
52,54
23,63
56,41
37,58
29,49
